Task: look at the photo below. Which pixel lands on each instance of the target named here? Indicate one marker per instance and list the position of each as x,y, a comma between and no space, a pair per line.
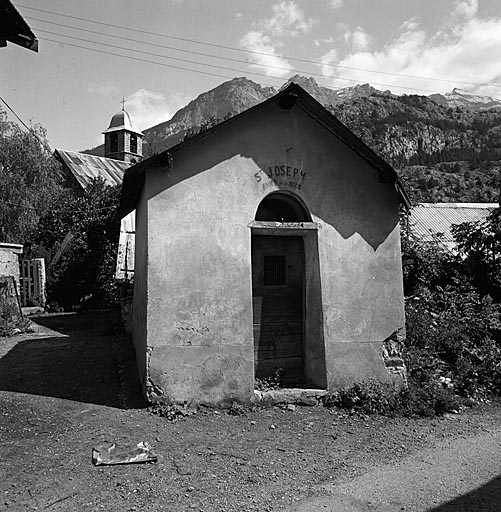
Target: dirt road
74,386
456,475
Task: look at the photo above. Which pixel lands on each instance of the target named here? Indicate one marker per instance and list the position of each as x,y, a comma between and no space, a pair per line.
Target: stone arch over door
288,335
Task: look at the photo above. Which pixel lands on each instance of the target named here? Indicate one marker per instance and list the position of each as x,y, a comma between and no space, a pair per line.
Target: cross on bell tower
122,140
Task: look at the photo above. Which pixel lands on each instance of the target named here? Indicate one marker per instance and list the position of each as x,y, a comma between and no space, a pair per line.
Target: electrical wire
202,63
214,65
193,52
30,130
183,50
194,41
49,151
140,60
147,53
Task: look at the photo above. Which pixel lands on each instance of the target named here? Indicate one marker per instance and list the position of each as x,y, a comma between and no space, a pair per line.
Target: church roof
122,121
86,168
292,94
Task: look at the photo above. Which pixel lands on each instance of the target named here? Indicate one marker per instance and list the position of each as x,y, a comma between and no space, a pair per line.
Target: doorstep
298,396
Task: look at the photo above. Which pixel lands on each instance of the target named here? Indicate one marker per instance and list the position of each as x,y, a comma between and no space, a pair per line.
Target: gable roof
432,222
85,168
290,95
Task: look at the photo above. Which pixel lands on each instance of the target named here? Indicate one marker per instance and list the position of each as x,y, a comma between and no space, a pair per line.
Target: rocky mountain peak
466,99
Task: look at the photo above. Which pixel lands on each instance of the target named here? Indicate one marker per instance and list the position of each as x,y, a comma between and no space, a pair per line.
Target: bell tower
122,140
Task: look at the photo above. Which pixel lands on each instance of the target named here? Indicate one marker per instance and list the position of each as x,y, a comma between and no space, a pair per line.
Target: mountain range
447,147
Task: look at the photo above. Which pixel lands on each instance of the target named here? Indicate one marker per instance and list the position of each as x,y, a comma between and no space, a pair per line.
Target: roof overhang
123,129
289,96
14,29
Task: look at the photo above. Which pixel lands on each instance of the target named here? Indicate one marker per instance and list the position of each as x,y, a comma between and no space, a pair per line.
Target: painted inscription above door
283,176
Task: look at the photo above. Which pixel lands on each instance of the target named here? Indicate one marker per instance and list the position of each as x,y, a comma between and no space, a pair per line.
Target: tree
36,207
453,324
85,270
479,244
425,264
30,179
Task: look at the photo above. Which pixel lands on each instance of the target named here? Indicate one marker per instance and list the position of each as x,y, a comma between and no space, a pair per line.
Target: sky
160,54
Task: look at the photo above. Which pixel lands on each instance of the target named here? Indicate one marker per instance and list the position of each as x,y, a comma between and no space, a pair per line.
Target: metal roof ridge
457,205
86,156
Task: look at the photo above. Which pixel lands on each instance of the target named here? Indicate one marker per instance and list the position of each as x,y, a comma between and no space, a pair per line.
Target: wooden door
277,289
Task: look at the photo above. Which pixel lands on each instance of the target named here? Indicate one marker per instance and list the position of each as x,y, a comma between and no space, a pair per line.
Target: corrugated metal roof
85,168
432,222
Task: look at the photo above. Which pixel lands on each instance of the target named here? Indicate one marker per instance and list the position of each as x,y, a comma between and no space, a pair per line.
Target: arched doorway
281,207
278,290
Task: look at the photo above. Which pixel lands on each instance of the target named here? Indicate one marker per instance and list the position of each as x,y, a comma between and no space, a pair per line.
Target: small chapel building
268,243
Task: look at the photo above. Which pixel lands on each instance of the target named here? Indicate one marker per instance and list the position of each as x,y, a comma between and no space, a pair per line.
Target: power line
30,130
47,148
194,41
203,63
217,66
145,53
140,60
184,50
149,44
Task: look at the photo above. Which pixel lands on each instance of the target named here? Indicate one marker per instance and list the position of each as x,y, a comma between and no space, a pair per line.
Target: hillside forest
446,148
443,154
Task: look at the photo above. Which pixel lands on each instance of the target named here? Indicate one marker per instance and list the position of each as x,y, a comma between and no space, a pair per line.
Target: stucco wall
199,319
200,307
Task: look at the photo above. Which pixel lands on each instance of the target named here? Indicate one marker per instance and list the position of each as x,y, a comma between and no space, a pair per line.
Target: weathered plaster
196,308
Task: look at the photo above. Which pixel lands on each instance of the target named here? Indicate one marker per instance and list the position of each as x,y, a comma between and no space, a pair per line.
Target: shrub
419,399
426,264
84,274
455,332
236,409
453,325
368,397
171,411
429,399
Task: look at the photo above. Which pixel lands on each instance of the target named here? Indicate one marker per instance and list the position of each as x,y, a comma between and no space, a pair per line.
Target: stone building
268,243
